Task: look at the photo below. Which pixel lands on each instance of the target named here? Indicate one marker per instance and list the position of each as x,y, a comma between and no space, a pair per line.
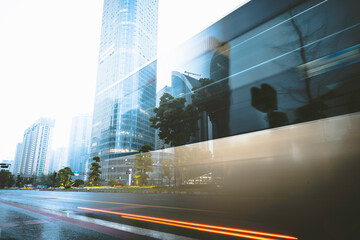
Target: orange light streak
191,223
202,229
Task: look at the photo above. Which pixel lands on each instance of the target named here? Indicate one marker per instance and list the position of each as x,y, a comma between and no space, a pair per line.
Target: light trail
203,229
187,224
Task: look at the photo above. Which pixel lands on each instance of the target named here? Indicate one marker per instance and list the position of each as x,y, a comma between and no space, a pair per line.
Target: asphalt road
30,214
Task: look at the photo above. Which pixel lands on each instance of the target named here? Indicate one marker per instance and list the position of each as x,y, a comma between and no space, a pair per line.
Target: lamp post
130,174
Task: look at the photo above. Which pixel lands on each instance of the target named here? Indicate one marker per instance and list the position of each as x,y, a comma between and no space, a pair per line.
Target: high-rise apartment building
35,152
18,158
79,143
126,82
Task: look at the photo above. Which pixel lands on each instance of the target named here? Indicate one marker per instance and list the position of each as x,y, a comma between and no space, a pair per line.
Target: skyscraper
36,146
18,158
126,82
79,143
58,159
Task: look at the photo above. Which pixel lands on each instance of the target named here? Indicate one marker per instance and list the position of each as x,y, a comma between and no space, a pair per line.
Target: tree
11,180
113,182
78,182
54,179
44,180
34,179
65,176
194,162
50,180
6,178
175,121
19,181
94,176
143,164
28,180
166,169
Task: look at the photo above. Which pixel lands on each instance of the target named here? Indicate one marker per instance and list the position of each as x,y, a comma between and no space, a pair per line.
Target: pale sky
49,53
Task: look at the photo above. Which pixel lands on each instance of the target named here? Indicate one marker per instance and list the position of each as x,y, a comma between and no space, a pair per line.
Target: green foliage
11,181
143,164
55,179
45,180
113,182
166,166
6,179
19,181
175,121
65,177
94,176
193,162
34,179
28,180
78,182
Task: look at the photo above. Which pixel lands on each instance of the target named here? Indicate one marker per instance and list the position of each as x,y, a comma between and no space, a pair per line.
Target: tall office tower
79,143
58,159
18,158
35,157
126,82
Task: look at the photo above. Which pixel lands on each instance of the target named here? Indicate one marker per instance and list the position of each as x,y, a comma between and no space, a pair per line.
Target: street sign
76,173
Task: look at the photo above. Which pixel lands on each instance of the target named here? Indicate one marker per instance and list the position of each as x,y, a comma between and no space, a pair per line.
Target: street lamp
130,175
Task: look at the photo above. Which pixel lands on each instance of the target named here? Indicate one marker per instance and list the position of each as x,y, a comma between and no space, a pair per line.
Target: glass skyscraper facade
79,143
126,82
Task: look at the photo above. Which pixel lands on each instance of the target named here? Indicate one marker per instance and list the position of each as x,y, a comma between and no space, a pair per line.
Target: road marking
21,223
112,208
204,229
106,227
197,226
143,205
84,224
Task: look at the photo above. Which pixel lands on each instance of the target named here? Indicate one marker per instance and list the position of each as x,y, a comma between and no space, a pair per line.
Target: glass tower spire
126,81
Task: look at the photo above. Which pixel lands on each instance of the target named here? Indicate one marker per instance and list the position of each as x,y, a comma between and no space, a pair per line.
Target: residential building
18,158
35,150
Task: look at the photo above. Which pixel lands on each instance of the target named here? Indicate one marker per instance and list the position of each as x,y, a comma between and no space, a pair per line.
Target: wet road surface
30,214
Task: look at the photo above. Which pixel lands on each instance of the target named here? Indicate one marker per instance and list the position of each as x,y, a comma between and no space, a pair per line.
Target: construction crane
188,73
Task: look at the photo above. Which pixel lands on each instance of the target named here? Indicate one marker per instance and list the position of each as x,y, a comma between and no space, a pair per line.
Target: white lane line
132,229
123,227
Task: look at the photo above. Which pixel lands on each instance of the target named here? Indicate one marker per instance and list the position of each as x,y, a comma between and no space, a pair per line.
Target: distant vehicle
28,187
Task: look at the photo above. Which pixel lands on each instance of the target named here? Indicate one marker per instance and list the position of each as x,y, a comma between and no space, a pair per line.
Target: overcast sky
49,52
